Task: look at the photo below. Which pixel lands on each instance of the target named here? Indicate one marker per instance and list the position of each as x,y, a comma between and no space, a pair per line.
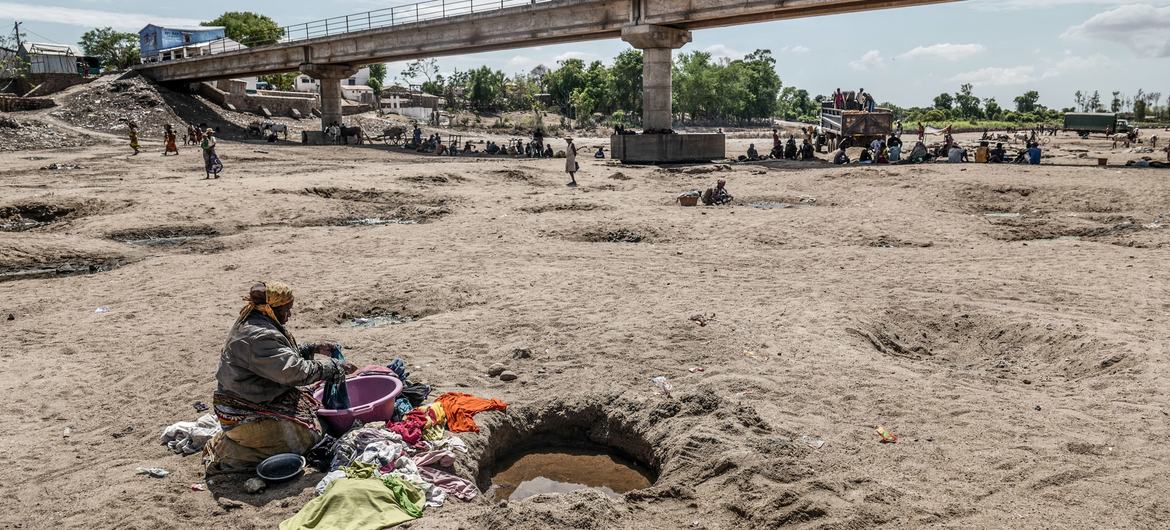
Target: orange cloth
460,409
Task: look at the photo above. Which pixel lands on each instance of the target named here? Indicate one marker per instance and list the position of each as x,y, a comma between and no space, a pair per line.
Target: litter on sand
155,472
886,436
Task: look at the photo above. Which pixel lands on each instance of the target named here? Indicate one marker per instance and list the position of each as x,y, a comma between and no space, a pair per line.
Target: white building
353,88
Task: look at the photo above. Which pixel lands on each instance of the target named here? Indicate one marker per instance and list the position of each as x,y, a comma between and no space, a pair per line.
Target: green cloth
351,504
411,499
360,470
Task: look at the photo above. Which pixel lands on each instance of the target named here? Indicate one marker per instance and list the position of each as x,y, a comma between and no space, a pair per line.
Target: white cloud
945,51
997,76
1019,75
871,60
584,56
721,51
521,61
1020,5
795,49
1143,28
88,18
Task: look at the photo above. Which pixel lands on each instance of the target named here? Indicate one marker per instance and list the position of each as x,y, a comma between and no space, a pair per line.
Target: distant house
43,58
153,39
223,45
356,83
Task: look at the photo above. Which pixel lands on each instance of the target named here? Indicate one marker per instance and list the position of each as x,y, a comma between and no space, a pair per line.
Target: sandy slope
1020,358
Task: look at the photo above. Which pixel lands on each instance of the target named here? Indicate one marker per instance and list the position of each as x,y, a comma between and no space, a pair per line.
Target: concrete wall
655,148
15,104
278,103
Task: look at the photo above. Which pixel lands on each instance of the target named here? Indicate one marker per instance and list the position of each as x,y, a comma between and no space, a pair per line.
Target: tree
425,68
118,51
563,81
627,81
377,77
285,82
762,84
696,87
248,28
1115,105
1027,102
1079,99
991,109
944,101
12,66
1093,104
1139,109
968,103
485,88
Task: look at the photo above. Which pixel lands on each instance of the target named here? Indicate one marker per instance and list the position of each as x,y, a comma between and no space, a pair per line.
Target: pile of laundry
377,474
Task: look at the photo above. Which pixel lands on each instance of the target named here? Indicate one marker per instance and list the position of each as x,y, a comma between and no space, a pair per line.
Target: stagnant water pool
565,470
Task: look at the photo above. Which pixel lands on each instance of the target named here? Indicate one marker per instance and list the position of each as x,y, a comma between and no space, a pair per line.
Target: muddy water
562,471
379,320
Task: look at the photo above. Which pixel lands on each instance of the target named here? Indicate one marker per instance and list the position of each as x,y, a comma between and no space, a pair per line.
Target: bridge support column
658,143
657,44
330,76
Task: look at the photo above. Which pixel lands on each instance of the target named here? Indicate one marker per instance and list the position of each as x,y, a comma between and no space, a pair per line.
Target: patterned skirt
296,406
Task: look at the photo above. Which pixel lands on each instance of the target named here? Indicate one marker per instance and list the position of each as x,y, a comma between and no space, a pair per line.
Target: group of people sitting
890,152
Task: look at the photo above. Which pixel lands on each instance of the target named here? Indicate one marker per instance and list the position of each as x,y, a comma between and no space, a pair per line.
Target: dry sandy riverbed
1007,323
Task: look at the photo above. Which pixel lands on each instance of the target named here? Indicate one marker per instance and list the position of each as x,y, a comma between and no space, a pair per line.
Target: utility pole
16,29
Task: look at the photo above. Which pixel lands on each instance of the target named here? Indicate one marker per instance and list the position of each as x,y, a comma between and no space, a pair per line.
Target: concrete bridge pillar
330,76
658,144
657,44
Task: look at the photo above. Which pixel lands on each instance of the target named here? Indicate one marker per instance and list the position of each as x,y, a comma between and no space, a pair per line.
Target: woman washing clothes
259,404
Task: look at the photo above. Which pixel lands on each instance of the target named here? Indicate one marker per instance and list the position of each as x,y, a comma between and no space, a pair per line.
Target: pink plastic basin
371,398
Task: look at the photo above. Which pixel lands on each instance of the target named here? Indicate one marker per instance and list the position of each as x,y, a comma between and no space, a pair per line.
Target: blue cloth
399,369
401,407
1034,155
336,393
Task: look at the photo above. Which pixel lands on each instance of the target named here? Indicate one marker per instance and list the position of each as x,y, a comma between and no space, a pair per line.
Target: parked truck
858,125
1086,123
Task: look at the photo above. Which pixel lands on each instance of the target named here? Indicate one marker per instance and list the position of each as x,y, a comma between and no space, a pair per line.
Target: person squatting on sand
258,403
717,195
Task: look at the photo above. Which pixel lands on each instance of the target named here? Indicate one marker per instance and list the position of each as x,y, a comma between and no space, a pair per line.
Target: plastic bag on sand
663,384
188,437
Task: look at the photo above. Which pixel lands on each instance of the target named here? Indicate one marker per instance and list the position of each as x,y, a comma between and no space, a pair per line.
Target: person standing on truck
838,100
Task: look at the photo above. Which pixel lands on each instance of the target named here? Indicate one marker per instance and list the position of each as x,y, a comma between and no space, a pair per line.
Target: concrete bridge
455,27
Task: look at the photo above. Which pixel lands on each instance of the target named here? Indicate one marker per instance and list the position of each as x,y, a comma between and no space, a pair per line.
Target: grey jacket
259,363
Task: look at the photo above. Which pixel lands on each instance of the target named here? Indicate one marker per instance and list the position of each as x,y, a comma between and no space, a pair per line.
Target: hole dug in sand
565,452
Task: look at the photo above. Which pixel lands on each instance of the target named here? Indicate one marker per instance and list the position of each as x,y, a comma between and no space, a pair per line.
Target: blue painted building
153,38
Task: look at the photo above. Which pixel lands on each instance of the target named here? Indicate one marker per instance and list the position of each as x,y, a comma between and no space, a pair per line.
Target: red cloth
460,409
411,426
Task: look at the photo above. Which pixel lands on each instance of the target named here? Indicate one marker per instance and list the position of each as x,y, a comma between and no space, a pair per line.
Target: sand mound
110,103
30,134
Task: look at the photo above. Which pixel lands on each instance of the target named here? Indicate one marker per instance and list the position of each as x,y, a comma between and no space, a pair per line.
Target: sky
904,56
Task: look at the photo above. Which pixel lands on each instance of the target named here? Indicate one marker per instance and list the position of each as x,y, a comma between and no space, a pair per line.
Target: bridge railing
378,18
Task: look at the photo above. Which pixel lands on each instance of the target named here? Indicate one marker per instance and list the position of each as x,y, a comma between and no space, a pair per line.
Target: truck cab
1123,126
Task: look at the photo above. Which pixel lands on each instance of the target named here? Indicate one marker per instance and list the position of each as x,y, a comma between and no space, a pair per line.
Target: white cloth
188,437
571,158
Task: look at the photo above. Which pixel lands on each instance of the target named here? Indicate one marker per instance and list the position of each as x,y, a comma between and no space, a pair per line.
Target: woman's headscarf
276,294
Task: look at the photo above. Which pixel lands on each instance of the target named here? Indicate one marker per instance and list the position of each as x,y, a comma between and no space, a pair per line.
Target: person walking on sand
211,163
571,166
134,138
171,139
